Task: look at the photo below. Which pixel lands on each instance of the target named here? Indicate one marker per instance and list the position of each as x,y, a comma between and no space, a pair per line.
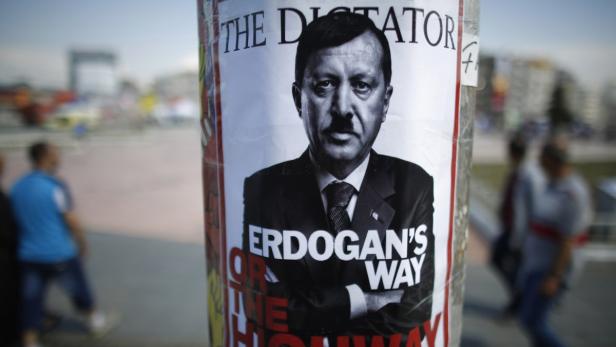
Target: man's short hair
334,30
556,149
37,151
517,146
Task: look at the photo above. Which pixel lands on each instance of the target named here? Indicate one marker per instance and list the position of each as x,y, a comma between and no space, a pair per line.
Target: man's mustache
340,125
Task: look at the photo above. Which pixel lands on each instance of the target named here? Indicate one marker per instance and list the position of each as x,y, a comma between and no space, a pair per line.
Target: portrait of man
342,92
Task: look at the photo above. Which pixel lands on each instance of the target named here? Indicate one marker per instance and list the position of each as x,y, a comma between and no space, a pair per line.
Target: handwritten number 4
470,60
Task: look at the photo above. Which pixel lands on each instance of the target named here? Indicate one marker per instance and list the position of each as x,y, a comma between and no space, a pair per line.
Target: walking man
51,244
514,213
559,225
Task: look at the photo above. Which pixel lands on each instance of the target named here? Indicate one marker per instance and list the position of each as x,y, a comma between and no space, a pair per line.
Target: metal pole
465,151
225,253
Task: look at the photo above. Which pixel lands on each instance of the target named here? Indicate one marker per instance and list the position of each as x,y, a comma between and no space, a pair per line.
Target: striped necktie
338,195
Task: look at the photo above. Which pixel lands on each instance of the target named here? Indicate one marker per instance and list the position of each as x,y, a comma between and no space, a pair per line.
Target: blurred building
92,73
514,91
492,87
128,94
179,85
485,109
174,98
608,103
484,82
592,112
531,85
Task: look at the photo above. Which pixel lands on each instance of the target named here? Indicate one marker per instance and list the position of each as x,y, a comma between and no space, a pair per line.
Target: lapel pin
375,216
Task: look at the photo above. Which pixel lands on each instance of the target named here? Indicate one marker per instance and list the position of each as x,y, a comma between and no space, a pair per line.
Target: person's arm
64,204
74,225
415,307
553,279
571,221
311,309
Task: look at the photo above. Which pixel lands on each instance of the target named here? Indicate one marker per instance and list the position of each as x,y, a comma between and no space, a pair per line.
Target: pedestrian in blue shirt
51,244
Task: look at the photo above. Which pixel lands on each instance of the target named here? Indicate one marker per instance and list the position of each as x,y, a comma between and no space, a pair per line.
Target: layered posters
329,136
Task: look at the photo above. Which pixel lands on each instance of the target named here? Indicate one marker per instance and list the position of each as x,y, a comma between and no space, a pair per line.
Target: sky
156,37
577,35
149,37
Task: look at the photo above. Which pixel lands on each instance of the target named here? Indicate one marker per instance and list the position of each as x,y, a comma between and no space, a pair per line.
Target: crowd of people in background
42,241
545,215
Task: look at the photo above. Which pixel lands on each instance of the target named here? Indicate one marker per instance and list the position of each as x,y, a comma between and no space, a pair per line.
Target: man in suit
342,92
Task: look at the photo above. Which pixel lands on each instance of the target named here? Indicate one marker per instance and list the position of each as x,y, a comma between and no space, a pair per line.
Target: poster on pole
329,168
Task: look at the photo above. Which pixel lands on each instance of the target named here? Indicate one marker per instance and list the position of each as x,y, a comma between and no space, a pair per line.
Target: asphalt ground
157,288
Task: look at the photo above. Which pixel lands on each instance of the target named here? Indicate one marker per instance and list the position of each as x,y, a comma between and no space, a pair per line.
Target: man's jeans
534,311
35,278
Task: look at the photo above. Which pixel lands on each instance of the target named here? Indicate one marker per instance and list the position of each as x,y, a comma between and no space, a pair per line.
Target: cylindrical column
465,150
336,156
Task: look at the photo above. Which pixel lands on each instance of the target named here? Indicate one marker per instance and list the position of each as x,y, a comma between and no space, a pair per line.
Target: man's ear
297,97
388,92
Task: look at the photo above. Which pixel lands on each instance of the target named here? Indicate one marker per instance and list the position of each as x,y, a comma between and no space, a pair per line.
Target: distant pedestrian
51,244
514,216
9,289
561,217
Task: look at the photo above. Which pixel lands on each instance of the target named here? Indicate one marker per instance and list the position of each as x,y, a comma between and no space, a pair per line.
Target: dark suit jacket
286,197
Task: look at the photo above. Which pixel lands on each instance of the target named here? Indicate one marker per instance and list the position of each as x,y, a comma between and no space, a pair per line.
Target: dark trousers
534,312
9,299
505,260
35,278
